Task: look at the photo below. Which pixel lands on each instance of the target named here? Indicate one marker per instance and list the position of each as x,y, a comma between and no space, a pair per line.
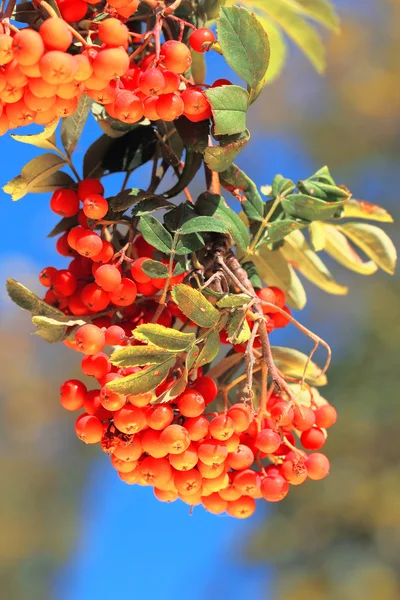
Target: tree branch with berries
175,301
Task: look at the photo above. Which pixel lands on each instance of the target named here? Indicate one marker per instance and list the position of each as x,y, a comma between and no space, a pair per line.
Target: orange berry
247,482
28,47
129,9
111,63
113,33
165,495
191,404
186,460
241,458
55,34
38,104
155,471
197,428
57,67
211,452
4,124
128,107
65,108
85,68
242,508
188,482
159,417
151,444
89,429
6,48
73,89
176,439
41,89
20,114
176,56
130,419
214,503
43,117
221,427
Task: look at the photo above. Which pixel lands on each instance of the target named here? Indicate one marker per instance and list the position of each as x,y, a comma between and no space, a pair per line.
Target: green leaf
151,205
195,306
143,381
72,127
235,180
155,234
123,154
210,224
292,363
27,300
244,43
127,198
281,186
229,104
252,274
189,243
175,390
274,270
46,139
278,230
193,135
209,350
366,210
374,242
312,209
299,254
154,269
237,328
233,301
54,329
219,158
164,337
33,175
317,236
59,321
213,205
337,245
139,355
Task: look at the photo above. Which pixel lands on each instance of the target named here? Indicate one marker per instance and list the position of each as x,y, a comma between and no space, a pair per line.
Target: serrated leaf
366,210
244,43
143,381
175,390
132,356
195,306
337,245
213,205
374,242
292,363
211,224
45,139
33,174
72,127
54,329
297,251
309,208
154,269
155,234
219,158
234,180
317,236
276,271
64,224
237,328
164,337
233,300
189,243
229,104
209,350
27,300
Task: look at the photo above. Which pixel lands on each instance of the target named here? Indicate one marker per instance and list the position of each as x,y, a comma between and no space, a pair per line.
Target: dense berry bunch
40,79
183,447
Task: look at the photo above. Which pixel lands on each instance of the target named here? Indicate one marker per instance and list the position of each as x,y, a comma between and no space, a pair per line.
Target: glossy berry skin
72,394
88,187
64,203
199,37
90,339
176,56
89,429
95,206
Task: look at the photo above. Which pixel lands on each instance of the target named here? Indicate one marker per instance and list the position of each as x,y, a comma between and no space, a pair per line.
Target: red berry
137,271
64,202
46,276
94,297
64,283
130,419
87,187
313,439
274,488
90,339
281,320
207,388
107,277
317,466
89,429
199,37
282,413
88,244
325,416
169,106
73,394
95,206
125,294
195,102
191,404
151,82
303,419
96,365
176,56
115,336
268,441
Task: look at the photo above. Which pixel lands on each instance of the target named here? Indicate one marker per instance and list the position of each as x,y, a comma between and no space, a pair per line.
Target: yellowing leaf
45,139
275,270
33,174
296,250
292,363
374,242
164,337
209,350
195,306
27,300
317,236
143,381
337,246
366,210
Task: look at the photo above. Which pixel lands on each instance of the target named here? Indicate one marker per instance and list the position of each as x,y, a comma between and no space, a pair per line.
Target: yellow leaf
37,170
275,270
317,236
45,139
366,210
292,363
296,250
374,242
337,246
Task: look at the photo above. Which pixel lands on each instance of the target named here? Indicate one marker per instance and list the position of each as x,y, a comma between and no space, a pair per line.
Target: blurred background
71,530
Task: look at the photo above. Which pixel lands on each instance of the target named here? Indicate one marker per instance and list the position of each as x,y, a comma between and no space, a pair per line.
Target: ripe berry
172,82
197,428
105,255
169,106
159,417
73,394
150,440
89,429
95,206
274,488
303,419
128,107
221,427
129,452
28,47
72,10
176,56
191,404
96,365
282,414
64,283
281,320
107,277
241,458
268,441
90,339
195,102
155,471
137,271
247,482
130,419
294,471
325,416
187,482
313,439
207,388
94,297
152,82
88,244
87,187
175,438
240,415
317,466
242,508
125,294
111,63
46,276
6,49
212,452
115,336
186,460
150,108
113,33
219,82
64,202
57,67
55,34
199,37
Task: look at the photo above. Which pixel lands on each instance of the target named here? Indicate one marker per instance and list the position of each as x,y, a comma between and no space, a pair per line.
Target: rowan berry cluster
40,80
181,448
